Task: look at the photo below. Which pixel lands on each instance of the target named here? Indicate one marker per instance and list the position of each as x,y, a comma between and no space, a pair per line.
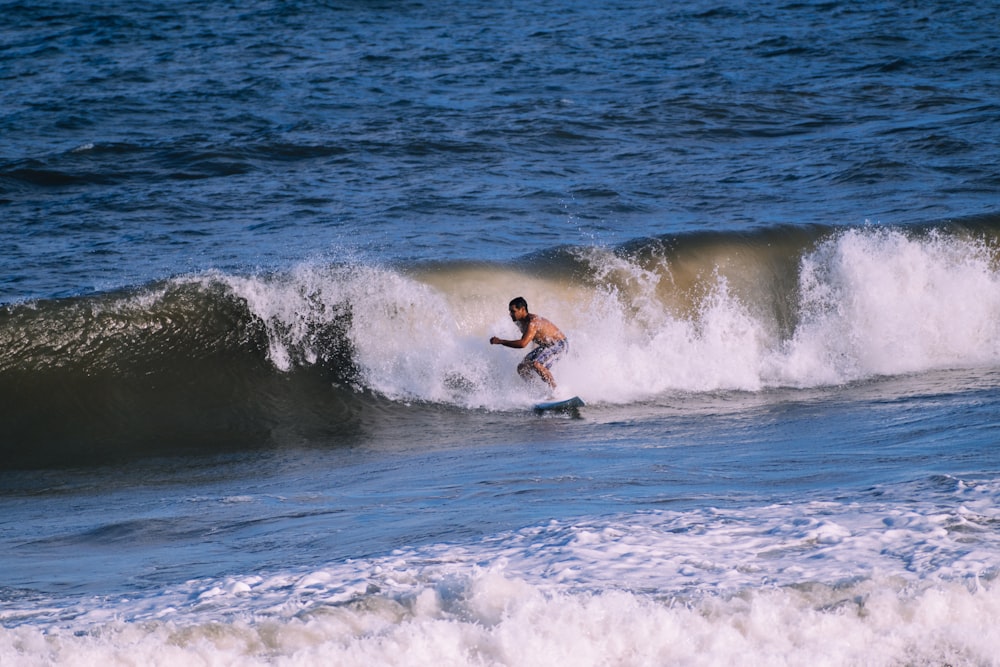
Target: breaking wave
227,360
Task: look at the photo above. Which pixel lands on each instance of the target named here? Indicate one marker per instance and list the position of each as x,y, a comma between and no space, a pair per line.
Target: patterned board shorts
547,355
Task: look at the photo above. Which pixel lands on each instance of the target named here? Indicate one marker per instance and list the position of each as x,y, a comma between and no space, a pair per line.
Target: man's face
517,313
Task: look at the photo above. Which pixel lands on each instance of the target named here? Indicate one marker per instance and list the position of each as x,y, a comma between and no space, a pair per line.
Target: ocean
254,252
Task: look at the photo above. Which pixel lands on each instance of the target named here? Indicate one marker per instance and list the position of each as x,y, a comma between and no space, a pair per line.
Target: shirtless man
551,342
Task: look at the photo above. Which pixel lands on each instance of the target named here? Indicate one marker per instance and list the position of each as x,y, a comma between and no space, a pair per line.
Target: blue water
254,254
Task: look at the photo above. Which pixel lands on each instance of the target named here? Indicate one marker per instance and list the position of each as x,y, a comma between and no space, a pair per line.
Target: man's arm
525,340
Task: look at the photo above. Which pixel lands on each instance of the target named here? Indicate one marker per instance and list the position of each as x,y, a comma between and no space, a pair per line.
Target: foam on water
502,621
796,583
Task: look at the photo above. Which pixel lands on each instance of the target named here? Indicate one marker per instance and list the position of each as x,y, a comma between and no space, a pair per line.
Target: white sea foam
805,583
869,302
499,620
879,302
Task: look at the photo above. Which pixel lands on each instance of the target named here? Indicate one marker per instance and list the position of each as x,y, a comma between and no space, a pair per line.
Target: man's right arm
524,341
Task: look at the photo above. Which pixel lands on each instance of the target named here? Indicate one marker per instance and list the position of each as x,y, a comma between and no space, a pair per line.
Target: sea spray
734,315
882,302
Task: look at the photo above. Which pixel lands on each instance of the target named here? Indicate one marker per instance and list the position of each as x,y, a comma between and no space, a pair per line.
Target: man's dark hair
518,302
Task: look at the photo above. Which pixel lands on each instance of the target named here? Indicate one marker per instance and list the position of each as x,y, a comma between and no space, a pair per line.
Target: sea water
253,254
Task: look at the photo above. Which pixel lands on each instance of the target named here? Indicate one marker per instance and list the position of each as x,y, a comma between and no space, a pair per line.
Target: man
551,342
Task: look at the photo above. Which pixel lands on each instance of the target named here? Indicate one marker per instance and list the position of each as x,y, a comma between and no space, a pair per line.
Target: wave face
226,361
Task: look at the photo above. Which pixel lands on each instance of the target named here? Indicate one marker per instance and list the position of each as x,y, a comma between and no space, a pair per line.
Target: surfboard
566,404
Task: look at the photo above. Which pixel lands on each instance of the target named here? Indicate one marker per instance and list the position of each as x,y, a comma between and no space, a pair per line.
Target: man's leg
545,374
529,364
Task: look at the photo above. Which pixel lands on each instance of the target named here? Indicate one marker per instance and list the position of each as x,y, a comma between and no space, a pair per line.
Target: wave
875,582
489,617
223,360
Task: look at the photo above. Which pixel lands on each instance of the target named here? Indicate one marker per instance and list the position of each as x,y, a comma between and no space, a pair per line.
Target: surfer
551,342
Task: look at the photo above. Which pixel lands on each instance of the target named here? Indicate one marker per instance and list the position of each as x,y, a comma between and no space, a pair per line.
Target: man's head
518,308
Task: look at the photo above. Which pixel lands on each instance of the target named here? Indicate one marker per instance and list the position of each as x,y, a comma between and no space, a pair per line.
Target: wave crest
226,358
